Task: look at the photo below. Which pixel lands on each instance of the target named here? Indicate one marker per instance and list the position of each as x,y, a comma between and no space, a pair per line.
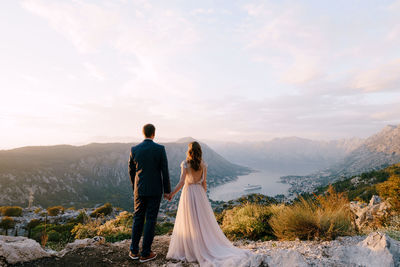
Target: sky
75,72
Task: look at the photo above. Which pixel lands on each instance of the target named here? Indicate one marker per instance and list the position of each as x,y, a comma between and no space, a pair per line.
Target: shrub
117,237
324,217
87,230
114,230
7,223
43,239
38,210
390,190
32,224
104,210
54,211
81,218
121,224
63,232
392,227
164,228
53,236
248,221
11,211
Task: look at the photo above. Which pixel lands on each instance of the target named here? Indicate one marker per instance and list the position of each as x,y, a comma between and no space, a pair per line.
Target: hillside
376,152
83,176
364,186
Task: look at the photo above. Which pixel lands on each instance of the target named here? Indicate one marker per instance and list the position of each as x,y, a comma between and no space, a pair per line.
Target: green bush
54,211
113,230
164,228
81,218
54,236
63,230
250,221
32,224
104,210
7,223
324,217
11,211
117,237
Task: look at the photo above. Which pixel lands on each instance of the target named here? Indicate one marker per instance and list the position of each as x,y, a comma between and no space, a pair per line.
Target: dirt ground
106,254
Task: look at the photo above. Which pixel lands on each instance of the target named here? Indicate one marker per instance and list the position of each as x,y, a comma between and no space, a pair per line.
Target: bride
197,235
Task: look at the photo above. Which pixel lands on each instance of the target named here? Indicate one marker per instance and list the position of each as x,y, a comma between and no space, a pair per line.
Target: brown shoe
152,256
133,256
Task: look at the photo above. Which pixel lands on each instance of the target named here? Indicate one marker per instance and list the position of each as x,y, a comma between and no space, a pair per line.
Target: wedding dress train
197,235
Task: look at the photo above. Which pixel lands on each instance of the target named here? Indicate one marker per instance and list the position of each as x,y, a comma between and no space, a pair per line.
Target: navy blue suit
148,170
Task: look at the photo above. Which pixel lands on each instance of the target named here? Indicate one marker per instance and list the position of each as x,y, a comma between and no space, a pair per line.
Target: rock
381,243
369,216
376,250
82,243
375,200
20,249
286,258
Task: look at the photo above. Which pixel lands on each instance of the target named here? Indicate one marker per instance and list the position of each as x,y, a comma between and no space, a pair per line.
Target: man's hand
168,196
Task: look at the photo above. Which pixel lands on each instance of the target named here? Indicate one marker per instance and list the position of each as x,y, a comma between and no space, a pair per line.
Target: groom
148,170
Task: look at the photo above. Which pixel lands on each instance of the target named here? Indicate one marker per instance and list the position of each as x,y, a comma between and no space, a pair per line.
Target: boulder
82,243
375,250
369,216
16,249
382,244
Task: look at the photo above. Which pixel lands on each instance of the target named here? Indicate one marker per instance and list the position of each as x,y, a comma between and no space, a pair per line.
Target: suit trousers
145,216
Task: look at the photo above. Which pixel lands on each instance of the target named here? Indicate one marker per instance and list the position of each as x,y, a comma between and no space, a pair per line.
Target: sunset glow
75,72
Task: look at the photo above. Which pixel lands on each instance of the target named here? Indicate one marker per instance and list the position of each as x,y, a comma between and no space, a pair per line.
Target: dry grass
324,217
249,221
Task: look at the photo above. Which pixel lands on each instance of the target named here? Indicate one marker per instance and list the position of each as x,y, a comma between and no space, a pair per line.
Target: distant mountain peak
389,127
187,139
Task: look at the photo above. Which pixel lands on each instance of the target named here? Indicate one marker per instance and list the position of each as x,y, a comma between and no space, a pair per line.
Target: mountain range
289,155
83,176
374,153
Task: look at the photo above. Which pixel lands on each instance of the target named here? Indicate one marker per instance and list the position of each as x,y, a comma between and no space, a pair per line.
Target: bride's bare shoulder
184,164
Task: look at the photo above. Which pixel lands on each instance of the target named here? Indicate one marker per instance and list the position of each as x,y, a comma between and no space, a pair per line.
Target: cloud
94,71
86,25
304,48
282,37
231,71
149,30
382,78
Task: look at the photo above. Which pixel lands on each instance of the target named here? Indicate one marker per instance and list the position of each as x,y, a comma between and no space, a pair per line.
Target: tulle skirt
197,235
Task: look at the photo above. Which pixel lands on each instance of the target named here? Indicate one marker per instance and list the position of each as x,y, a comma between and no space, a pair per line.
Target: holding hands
168,196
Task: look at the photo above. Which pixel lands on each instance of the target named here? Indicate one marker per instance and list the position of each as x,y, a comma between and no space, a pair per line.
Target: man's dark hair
149,130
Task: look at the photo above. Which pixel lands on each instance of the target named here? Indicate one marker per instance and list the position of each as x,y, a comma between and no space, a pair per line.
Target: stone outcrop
20,249
376,250
369,216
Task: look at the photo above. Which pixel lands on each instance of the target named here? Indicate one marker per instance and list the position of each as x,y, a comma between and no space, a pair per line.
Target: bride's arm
181,182
205,178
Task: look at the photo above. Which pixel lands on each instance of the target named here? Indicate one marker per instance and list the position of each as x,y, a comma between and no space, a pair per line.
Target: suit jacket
148,169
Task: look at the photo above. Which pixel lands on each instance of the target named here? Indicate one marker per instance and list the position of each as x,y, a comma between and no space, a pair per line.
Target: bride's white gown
197,235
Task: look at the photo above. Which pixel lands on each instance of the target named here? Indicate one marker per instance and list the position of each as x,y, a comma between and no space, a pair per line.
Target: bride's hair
194,155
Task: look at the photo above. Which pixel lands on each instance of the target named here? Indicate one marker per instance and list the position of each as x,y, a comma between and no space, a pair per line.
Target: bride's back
193,176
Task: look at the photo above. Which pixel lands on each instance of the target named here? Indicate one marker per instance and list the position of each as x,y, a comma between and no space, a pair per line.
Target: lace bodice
192,176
